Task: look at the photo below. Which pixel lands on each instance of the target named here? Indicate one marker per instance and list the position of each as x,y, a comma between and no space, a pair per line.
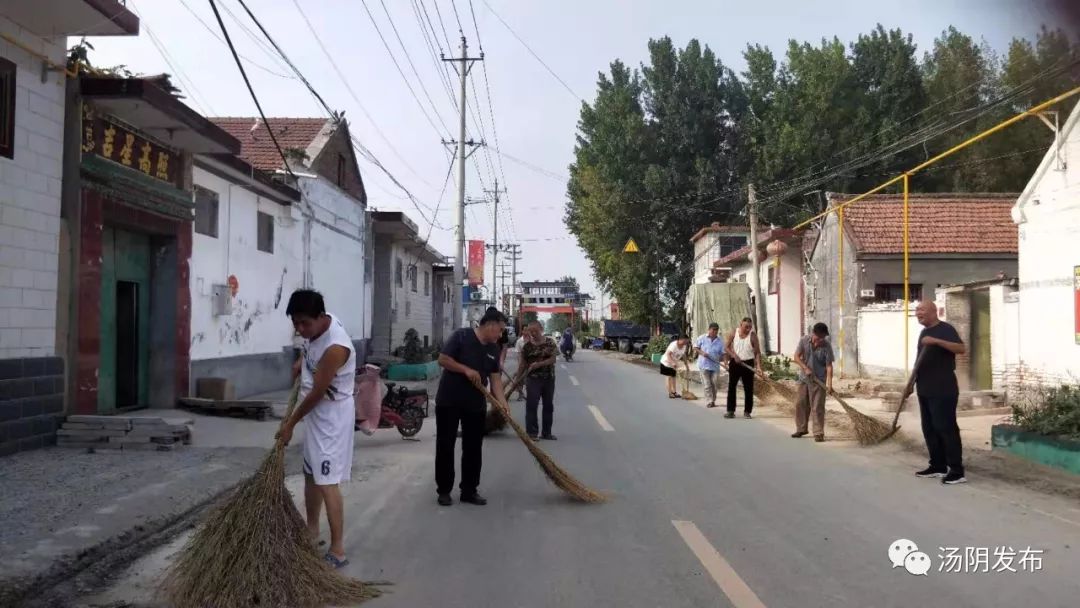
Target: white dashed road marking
738,592
604,424
574,381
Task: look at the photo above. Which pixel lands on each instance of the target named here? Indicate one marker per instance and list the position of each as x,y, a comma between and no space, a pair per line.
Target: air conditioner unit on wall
866,294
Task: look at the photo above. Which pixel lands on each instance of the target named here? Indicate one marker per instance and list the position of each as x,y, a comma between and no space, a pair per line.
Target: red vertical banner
476,263
1076,302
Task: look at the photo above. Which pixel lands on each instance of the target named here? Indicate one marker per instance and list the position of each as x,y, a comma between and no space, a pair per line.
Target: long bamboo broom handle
908,387
499,405
294,397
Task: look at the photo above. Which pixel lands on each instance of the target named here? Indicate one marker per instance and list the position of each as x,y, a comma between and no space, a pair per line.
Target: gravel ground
63,508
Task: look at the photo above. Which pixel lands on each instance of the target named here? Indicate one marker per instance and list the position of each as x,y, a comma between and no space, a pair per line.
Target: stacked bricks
127,433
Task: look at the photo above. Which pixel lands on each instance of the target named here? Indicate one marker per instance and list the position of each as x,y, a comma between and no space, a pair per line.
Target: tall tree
888,76
656,159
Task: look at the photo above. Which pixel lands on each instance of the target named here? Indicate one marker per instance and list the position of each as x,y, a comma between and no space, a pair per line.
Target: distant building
405,290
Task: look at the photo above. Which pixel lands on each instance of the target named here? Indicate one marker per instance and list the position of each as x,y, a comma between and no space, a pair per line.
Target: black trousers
941,432
737,372
539,388
447,419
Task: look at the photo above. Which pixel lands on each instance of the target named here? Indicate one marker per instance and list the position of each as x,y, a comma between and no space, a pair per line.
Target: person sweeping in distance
520,344
673,354
327,367
814,356
938,393
710,349
743,348
538,357
471,356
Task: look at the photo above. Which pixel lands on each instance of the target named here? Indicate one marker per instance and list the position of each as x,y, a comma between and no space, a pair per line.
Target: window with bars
412,277
427,283
892,292
773,283
398,270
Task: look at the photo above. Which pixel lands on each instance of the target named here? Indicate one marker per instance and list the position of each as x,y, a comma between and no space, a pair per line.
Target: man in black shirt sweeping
471,355
938,393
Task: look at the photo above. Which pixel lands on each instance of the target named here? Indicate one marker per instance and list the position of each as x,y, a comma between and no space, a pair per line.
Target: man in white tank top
745,354
327,370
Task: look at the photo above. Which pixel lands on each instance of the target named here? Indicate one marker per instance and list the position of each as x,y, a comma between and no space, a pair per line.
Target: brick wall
30,201
31,402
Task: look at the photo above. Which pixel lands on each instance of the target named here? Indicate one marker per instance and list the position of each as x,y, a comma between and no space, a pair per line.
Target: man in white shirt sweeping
327,369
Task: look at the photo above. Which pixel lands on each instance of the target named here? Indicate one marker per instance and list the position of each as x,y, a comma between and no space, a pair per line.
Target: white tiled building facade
30,198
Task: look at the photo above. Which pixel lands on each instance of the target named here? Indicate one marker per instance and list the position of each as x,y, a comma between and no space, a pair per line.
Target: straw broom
868,430
494,421
686,394
903,400
563,480
255,550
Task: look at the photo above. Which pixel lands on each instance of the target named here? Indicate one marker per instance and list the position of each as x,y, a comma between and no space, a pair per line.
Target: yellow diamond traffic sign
631,247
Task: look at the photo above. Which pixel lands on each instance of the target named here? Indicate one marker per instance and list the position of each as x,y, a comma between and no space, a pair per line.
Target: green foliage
1054,412
412,350
656,345
671,145
779,367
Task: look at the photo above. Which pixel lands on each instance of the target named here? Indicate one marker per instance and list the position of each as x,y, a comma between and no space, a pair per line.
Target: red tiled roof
938,223
257,147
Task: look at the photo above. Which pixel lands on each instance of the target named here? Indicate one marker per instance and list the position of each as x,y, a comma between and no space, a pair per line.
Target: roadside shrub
1051,411
412,351
656,345
780,367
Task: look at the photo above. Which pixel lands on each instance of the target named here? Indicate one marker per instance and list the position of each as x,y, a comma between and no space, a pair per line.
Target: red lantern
777,248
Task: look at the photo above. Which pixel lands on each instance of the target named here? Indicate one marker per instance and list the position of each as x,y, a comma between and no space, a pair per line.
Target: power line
432,42
442,25
400,71
491,114
219,39
533,53
460,28
251,90
408,58
367,154
352,93
919,137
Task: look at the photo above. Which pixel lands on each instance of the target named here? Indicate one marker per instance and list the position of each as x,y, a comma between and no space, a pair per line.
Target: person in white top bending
745,354
326,369
675,352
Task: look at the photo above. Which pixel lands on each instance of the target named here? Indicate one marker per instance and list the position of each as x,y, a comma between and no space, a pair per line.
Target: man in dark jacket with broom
471,356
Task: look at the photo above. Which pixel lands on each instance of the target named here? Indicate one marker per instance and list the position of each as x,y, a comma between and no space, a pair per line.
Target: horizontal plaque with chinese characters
110,140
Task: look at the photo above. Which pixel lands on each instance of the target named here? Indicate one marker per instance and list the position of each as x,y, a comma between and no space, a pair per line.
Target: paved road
704,512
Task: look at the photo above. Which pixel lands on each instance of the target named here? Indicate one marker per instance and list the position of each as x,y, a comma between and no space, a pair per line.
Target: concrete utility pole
495,238
755,275
515,257
459,230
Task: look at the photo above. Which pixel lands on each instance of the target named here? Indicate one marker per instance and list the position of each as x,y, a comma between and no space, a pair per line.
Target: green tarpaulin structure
722,303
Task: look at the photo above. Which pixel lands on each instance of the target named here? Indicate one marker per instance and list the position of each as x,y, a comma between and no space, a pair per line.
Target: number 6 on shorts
325,467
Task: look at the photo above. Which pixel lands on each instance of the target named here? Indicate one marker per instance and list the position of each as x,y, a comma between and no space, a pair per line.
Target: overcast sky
534,115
